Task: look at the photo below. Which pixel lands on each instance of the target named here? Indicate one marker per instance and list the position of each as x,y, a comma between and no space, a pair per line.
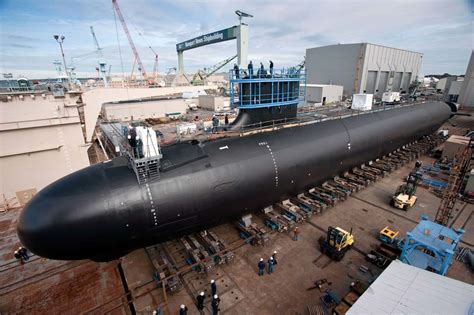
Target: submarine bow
102,212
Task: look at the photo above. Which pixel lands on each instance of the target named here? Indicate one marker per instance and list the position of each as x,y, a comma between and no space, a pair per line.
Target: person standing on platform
250,67
271,68
236,71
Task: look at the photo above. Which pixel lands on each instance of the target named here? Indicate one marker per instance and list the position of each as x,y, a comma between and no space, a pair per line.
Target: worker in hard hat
215,123
274,256
236,70
215,304
261,267
183,310
270,265
200,300
213,287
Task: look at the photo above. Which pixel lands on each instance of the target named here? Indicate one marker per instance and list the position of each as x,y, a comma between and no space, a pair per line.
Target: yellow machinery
336,243
405,196
387,235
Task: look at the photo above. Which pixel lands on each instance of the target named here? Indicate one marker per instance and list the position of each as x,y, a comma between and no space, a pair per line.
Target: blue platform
258,89
430,246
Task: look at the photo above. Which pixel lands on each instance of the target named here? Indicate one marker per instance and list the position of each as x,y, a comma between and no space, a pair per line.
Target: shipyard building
363,68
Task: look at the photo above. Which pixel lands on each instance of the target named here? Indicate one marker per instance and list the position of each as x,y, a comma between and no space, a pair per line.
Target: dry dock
127,286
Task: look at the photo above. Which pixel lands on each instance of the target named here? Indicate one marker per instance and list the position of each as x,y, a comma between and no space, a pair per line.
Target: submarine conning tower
265,96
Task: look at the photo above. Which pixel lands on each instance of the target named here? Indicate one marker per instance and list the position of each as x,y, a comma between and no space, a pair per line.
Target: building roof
347,44
404,289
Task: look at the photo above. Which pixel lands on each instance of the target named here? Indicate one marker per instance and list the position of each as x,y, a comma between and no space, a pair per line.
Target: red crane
125,29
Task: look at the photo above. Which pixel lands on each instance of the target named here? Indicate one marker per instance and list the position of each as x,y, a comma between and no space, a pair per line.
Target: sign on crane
129,37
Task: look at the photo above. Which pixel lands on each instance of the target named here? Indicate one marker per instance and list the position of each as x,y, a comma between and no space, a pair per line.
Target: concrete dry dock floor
300,263
43,286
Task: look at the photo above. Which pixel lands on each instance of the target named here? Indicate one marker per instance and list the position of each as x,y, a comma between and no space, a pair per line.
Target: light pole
60,40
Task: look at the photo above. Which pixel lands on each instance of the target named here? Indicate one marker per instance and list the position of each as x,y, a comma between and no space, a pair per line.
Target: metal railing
307,118
266,87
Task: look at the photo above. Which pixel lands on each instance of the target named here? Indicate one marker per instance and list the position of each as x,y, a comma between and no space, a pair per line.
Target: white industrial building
466,96
142,109
405,289
363,67
214,103
323,94
454,91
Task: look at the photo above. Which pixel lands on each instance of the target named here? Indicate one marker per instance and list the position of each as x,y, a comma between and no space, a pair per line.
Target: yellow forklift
405,196
336,243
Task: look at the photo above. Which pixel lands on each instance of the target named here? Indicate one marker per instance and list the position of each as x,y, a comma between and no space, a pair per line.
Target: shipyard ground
126,286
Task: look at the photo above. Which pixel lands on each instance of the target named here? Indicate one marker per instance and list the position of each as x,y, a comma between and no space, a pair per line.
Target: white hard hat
154,312
183,306
129,137
202,293
215,296
212,281
275,252
261,259
271,258
137,137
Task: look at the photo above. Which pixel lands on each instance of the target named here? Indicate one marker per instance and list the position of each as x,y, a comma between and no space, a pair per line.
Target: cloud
280,30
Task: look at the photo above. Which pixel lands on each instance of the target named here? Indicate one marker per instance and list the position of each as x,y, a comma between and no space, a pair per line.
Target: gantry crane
130,40
155,65
202,75
96,42
101,69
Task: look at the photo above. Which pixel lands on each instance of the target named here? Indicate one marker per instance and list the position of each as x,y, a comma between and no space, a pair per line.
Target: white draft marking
152,205
273,159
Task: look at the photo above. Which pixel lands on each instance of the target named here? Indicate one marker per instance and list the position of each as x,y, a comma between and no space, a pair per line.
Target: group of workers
260,72
22,254
215,123
183,310
272,262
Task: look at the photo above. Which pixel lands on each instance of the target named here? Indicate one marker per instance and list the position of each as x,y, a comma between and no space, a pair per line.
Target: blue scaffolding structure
267,88
430,246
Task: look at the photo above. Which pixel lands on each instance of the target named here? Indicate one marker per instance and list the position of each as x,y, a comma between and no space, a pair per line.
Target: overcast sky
281,30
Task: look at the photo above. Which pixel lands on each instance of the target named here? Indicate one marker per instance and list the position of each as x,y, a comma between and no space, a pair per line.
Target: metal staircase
455,180
147,169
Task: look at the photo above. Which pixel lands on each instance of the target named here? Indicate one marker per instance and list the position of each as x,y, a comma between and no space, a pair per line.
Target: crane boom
99,49
130,40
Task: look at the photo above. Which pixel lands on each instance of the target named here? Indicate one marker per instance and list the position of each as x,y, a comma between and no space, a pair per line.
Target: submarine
102,212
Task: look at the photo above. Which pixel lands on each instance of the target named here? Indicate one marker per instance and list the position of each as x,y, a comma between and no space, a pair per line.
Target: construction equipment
388,236
201,75
101,69
336,243
405,196
130,40
320,284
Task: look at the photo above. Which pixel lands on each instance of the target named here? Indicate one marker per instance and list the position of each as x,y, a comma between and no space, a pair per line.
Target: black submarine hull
102,213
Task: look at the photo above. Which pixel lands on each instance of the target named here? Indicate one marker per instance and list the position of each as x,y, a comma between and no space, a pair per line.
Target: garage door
397,80
406,81
382,82
370,83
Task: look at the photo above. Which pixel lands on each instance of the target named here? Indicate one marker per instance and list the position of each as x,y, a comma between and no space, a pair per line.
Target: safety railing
266,87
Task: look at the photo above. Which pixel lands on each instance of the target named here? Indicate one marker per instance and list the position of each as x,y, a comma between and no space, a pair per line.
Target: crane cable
118,42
